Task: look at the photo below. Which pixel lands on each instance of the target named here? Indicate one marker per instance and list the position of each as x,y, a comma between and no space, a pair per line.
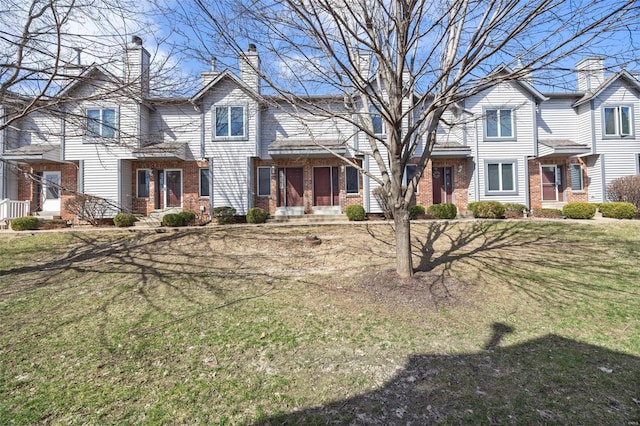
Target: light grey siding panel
594,173
558,120
176,123
101,179
126,185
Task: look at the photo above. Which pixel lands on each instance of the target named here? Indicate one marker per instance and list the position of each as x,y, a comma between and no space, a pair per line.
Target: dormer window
229,122
101,123
617,121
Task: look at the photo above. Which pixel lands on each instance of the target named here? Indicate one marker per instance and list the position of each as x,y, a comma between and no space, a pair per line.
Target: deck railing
11,209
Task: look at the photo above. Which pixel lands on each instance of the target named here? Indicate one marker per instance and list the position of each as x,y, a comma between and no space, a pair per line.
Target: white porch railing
11,209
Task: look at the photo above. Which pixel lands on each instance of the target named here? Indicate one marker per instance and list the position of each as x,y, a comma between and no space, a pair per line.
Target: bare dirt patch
428,289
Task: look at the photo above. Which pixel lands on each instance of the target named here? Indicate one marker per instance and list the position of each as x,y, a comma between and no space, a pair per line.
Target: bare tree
426,57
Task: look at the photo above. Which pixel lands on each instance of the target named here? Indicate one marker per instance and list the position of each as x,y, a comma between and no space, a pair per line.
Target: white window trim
116,131
571,167
245,123
346,188
512,161
499,137
138,184
258,182
618,120
383,125
200,169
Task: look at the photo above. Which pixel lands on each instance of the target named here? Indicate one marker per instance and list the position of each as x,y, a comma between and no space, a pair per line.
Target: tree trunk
404,261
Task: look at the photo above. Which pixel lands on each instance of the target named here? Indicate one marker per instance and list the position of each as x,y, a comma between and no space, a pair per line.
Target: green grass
248,325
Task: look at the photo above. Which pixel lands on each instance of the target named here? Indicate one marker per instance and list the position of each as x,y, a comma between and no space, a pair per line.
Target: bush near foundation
173,220
618,210
579,210
547,213
487,209
416,212
257,215
25,223
187,217
443,211
224,214
515,210
122,220
355,212
625,189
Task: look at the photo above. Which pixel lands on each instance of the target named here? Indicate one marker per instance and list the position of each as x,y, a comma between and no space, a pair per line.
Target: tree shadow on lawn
548,380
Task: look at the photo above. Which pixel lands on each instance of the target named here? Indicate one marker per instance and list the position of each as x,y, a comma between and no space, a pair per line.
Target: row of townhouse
230,145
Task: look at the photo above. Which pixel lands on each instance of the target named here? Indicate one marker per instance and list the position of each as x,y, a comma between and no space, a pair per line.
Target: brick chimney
136,70
590,73
249,64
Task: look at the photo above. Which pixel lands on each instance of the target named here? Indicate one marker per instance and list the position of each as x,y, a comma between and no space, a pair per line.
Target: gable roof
226,74
624,74
525,85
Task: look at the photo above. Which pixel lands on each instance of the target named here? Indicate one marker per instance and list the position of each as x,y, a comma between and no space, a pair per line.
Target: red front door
290,187
173,180
442,185
326,191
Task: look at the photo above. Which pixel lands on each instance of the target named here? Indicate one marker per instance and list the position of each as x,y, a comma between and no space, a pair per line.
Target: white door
51,191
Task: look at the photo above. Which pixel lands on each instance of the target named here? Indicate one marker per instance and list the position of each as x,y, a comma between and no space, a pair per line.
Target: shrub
173,220
618,210
25,223
187,217
443,211
547,213
89,207
416,211
124,219
224,214
257,215
487,209
514,210
383,202
355,212
625,189
579,210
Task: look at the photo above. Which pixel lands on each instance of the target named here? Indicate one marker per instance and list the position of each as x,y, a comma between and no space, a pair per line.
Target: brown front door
442,185
551,183
326,191
173,180
290,187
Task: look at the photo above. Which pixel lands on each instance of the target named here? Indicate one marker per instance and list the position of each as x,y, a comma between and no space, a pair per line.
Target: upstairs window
101,123
378,124
499,123
617,121
229,122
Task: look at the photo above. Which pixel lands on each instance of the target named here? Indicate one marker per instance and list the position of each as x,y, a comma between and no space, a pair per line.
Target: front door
326,191
442,185
51,191
173,188
290,187
551,183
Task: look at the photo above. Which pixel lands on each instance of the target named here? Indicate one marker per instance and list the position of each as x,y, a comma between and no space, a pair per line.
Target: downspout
476,171
527,199
3,174
366,185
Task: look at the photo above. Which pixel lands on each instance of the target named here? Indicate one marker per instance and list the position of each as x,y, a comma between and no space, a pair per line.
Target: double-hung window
499,124
229,122
500,176
264,181
352,180
101,123
617,121
205,182
379,127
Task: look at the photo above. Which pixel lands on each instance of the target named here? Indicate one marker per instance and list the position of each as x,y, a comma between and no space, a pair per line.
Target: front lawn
507,322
